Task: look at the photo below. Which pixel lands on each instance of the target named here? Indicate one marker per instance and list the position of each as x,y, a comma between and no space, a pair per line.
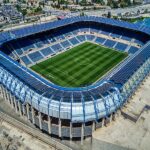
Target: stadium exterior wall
69,119
15,92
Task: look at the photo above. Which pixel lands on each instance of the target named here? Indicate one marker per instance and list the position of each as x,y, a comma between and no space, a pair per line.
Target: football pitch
80,66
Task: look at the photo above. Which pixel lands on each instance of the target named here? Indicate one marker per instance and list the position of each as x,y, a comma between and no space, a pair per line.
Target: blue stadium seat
14,46
132,50
65,44
47,51
90,37
25,60
138,42
57,47
100,40
39,43
74,41
36,56
125,72
126,38
109,43
81,38
121,46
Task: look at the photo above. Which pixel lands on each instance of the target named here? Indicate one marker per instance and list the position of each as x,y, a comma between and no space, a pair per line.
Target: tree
83,2
24,12
123,4
146,11
128,2
66,4
100,2
18,7
109,14
82,13
38,9
5,1
114,4
41,4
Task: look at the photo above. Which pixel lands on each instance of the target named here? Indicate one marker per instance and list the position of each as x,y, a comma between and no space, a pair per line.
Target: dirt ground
15,139
125,132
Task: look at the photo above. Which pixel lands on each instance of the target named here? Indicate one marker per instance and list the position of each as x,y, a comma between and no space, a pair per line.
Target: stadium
70,77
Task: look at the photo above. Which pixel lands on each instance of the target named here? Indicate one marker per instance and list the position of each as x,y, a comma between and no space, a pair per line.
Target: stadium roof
36,28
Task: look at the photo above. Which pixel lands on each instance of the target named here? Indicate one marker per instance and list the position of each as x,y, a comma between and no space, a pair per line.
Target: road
117,11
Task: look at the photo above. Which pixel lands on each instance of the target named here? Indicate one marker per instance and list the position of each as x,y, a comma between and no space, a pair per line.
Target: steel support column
27,109
82,133
40,120
70,130
60,128
33,115
49,125
19,106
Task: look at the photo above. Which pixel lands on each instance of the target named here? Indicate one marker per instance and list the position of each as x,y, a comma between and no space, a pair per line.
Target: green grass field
79,66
